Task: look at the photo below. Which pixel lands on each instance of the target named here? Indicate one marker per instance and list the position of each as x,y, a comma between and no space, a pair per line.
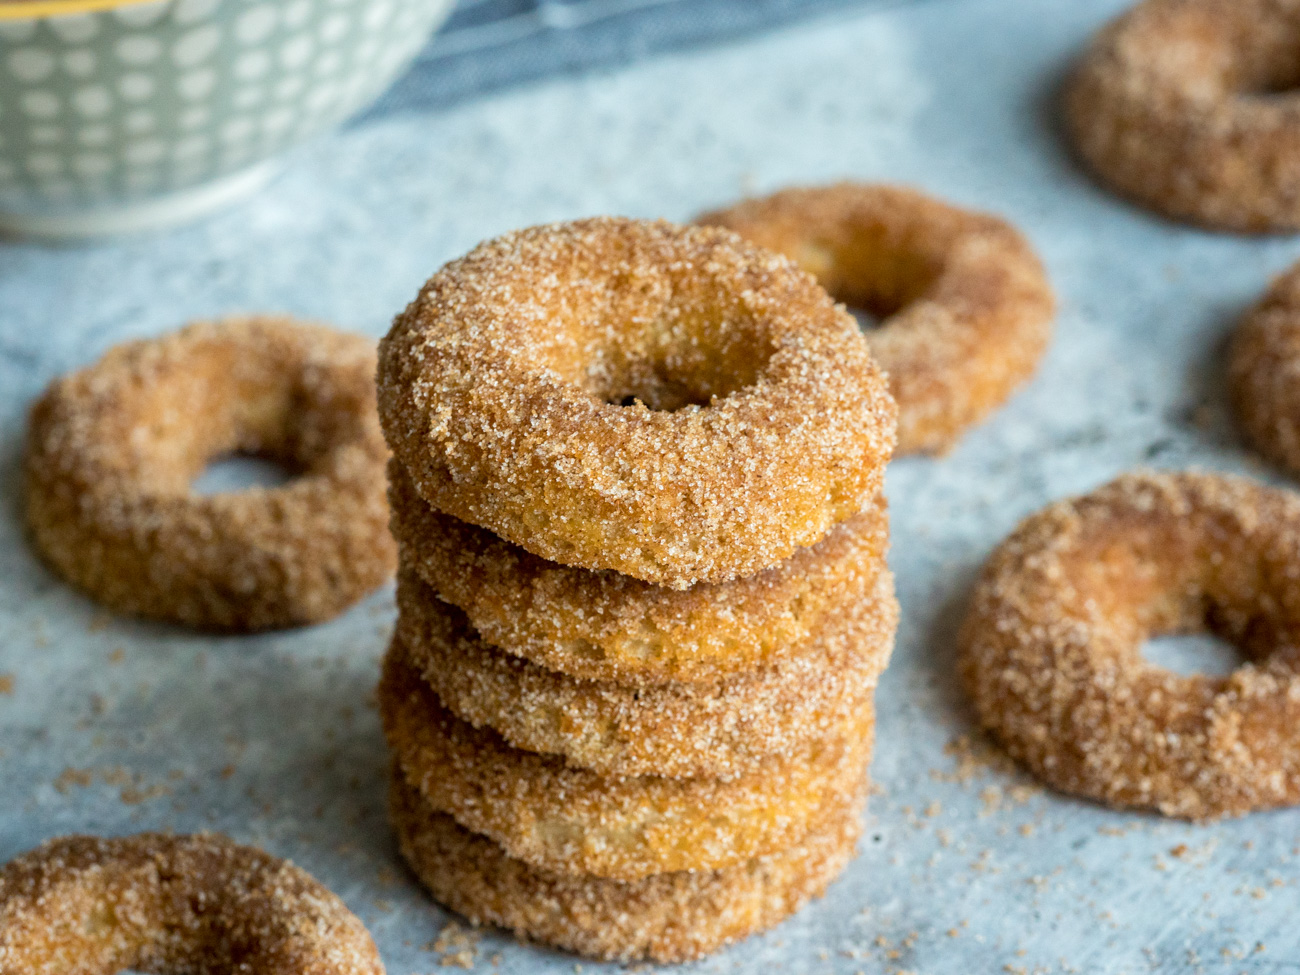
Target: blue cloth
490,44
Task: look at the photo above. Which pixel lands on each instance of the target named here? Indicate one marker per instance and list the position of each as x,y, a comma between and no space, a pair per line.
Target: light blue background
957,97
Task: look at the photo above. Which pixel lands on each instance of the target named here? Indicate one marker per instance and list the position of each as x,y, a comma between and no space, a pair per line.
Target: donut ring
172,905
1263,369
758,420
672,730
965,304
1174,107
1050,651
113,449
610,627
672,917
575,821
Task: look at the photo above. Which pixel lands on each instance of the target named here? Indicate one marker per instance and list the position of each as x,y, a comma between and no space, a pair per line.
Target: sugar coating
965,304
719,730
756,418
669,917
113,449
1264,372
1051,649
575,821
172,905
610,627
1174,106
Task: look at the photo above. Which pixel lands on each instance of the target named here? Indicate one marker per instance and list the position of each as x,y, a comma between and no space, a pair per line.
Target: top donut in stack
643,598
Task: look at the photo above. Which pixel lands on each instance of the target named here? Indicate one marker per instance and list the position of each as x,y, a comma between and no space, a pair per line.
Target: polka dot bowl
125,115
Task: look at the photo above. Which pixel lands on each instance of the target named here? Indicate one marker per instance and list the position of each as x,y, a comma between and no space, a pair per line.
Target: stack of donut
643,596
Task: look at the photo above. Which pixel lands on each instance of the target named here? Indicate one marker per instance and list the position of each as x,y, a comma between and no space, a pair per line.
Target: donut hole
1263,49
872,272
1190,654
1248,49
1281,81
672,365
216,426
1193,609
1275,73
240,472
657,389
865,319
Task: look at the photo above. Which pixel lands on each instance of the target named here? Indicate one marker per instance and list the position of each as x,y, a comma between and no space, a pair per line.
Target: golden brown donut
172,905
755,422
113,449
1264,372
1182,106
676,730
670,917
964,302
576,821
1051,649
611,627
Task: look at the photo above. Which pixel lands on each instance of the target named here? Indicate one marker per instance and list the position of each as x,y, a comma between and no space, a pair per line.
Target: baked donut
575,821
610,627
1178,106
675,730
113,449
964,302
755,419
1051,649
669,917
1264,372
172,905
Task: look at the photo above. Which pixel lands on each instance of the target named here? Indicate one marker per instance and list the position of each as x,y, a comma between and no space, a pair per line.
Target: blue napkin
489,44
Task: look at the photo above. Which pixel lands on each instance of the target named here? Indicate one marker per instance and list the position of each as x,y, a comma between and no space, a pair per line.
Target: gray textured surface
957,97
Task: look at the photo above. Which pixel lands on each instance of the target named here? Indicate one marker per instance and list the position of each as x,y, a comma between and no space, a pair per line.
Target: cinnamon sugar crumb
72,777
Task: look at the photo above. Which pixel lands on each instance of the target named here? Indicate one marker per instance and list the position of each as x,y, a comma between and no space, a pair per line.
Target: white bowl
124,115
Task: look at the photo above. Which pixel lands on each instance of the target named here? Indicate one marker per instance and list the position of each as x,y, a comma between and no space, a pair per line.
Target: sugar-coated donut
610,627
1264,372
172,905
964,302
1051,649
114,448
755,418
677,730
1178,106
575,821
669,917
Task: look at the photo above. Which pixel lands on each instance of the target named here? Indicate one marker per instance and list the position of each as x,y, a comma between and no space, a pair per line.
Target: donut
113,449
675,730
1264,372
1175,106
964,303
755,419
610,627
669,917
173,905
575,821
1051,649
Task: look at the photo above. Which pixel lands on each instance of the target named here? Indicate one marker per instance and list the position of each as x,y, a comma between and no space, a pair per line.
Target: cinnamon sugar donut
669,917
716,730
610,627
755,417
1051,649
575,821
172,905
965,304
1264,372
113,449
1183,107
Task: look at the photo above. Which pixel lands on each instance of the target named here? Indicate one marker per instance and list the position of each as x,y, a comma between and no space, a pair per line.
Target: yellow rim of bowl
25,9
